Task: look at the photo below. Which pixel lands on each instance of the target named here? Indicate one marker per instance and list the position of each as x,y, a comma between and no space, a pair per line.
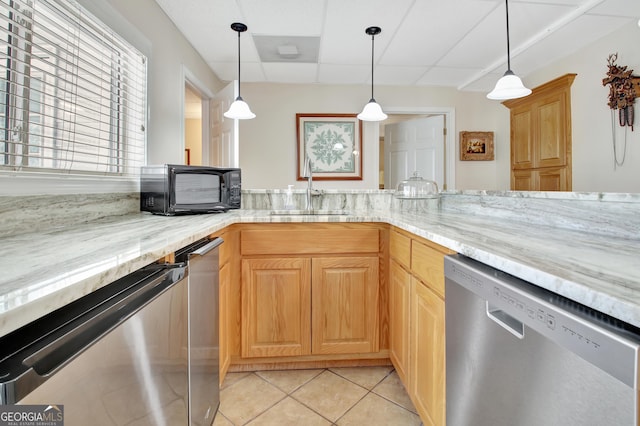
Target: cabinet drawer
427,264
309,241
400,248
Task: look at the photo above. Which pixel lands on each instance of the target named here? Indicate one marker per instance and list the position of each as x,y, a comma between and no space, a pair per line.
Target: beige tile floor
335,396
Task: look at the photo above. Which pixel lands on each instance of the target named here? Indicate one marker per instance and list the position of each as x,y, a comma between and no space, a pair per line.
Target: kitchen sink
309,212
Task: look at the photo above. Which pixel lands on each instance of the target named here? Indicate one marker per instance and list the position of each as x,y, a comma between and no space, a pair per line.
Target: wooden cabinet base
380,358
416,311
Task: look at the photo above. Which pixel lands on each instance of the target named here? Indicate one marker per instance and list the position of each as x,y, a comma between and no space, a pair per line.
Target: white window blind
73,93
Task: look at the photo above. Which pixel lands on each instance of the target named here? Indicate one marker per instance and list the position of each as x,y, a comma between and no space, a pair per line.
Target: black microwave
172,189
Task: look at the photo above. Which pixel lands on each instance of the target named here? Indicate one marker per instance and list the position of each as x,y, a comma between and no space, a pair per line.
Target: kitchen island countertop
44,271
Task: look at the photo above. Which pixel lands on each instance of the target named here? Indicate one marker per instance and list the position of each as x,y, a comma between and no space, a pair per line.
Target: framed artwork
333,142
476,146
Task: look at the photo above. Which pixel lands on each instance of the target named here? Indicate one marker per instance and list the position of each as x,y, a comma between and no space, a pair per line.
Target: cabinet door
427,380
399,299
522,180
276,302
551,131
345,305
554,179
521,139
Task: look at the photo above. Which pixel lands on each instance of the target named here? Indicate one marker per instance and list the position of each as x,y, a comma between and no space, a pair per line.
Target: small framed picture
476,146
333,143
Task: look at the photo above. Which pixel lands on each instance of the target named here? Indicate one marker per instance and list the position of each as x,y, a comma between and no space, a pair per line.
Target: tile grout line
310,408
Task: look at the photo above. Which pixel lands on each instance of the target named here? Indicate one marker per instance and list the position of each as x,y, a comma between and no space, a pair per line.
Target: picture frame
333,142
476,146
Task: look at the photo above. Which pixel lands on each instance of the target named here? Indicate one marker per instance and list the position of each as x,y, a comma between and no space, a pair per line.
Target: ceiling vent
287,48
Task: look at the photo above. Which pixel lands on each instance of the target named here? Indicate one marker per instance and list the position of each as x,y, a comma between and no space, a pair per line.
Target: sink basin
308,212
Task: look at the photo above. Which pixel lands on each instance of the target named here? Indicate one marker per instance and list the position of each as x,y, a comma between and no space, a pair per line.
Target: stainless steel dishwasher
204,352
115,356
518,355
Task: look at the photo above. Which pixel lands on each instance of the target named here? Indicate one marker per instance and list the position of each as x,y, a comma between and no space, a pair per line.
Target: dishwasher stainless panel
204,351
520,355
113,357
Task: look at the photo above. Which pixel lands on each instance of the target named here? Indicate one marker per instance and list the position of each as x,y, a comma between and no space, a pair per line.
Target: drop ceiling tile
344,40
228,71
405,76
284,17
487,43
344,74
431,29
485,83
444,76
566,41
290,73
203,21
558,2
629,8
304,49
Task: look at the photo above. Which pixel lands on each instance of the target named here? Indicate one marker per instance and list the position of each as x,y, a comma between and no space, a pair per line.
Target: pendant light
239,109
372,111
509,86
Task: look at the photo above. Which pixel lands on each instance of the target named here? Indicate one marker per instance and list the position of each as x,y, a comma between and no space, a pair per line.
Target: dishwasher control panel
540,316
521,307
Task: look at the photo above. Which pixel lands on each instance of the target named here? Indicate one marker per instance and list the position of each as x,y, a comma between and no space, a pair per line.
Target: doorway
423,142
195,124
192,126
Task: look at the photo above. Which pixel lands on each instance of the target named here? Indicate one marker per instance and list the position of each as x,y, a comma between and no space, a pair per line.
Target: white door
415,146
224,131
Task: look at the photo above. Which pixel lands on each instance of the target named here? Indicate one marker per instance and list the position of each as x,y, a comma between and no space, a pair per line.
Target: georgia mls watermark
31,415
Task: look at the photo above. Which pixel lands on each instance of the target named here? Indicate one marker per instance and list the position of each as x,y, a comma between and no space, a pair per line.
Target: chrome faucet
307,173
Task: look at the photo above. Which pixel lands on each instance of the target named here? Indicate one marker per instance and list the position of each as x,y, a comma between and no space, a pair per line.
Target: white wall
268,142
144,24
593,164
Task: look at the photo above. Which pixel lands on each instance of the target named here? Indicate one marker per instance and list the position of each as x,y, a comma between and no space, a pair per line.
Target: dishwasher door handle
506,321
207,248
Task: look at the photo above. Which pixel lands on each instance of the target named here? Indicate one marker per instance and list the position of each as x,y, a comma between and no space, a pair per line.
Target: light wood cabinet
344,305
399,309
276,307
309,290
225,298
228,291
427,377
417,324
541,137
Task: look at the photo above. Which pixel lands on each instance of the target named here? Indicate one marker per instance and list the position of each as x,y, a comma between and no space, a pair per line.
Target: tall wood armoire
541,137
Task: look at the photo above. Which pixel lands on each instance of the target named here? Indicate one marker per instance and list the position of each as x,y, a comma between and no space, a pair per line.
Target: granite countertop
46,270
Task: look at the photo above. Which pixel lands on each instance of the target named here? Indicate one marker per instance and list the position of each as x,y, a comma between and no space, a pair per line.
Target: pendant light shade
509,86
372,111
239,109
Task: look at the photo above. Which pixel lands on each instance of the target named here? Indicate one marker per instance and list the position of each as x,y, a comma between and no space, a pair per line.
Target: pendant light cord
239,65
506,6
372,41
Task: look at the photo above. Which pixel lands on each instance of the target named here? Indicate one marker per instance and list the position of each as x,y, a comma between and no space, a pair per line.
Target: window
73,93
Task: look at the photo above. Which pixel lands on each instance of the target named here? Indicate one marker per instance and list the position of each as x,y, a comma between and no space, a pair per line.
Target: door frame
189,78
450,139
